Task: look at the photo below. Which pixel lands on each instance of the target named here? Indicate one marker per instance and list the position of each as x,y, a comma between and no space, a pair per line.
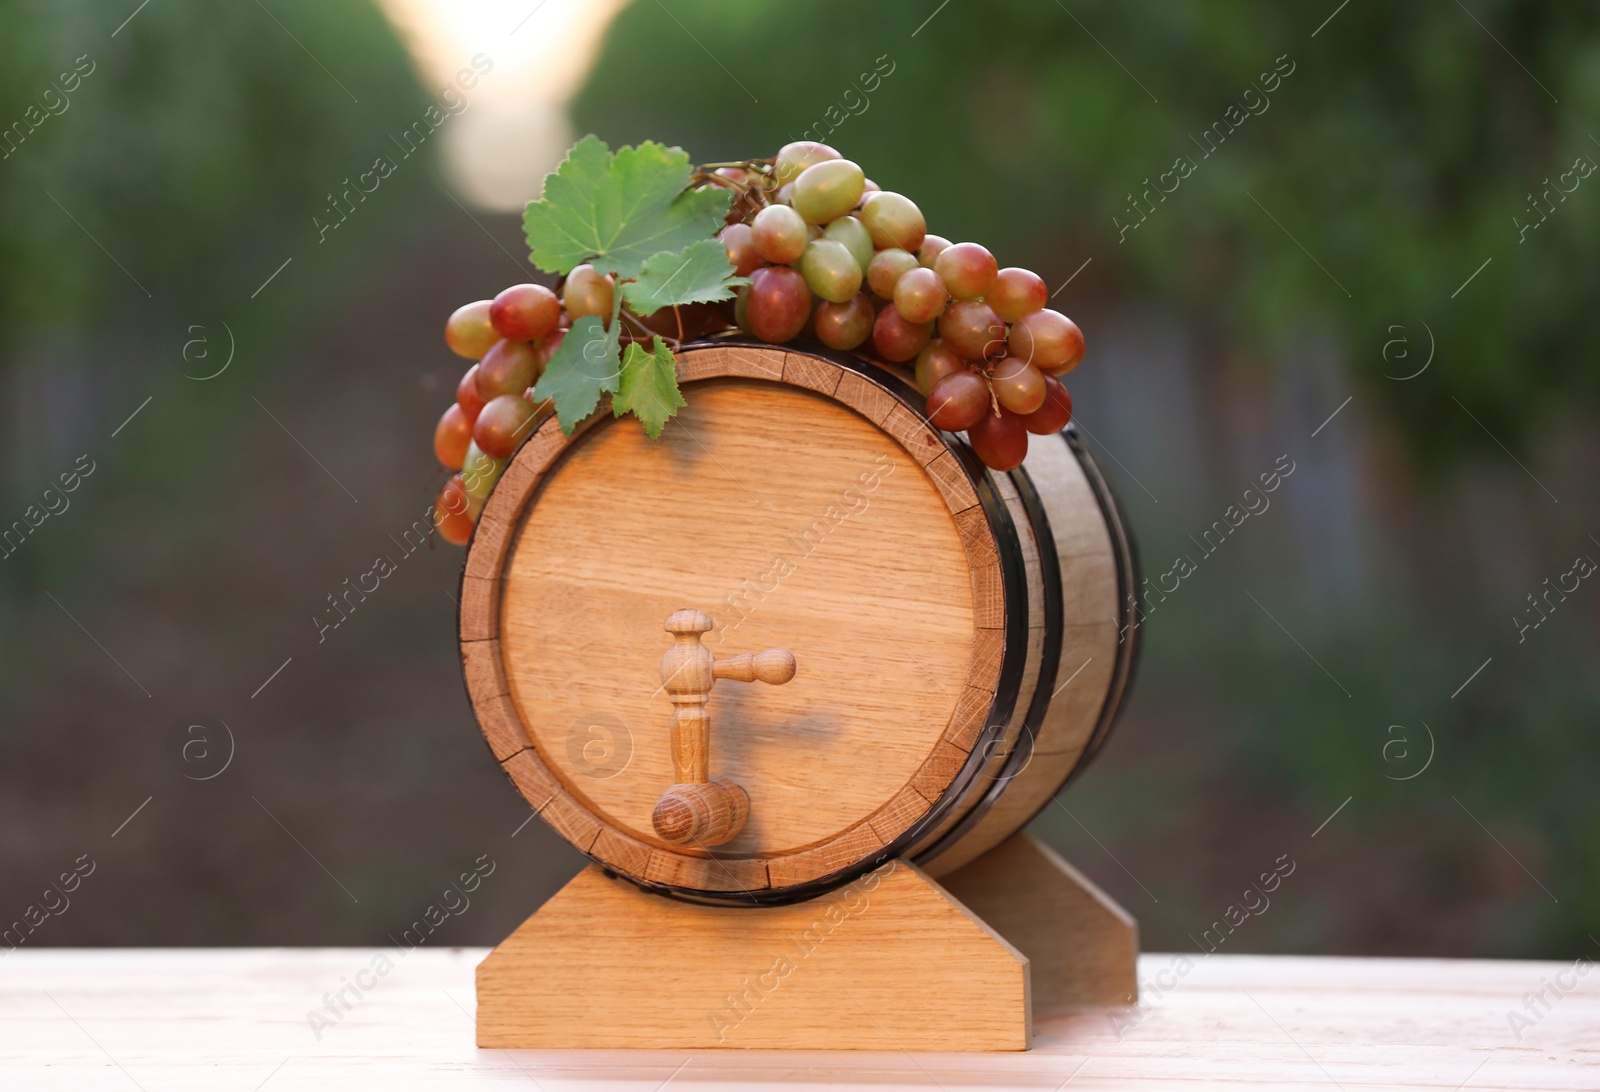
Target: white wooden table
222,1019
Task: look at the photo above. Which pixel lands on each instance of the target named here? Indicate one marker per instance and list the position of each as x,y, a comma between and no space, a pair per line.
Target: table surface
220,1019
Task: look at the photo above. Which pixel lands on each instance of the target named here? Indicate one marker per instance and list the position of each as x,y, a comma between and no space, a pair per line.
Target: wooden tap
700,809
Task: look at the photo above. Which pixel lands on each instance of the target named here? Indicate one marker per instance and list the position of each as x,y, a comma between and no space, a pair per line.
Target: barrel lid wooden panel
802,504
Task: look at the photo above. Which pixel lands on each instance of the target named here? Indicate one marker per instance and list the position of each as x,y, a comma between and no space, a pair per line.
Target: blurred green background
1355,237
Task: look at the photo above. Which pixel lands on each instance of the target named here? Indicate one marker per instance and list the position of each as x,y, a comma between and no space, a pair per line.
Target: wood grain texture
841,542
221,1018
603,965
1082,948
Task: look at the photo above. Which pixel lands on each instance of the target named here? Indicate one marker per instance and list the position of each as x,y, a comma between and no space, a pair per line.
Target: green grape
854,235
886,269
830,270
796,157
479,472
894,221
828,190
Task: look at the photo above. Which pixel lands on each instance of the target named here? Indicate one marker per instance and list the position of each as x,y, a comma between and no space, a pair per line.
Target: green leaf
699,273
649,386
584,367
618,210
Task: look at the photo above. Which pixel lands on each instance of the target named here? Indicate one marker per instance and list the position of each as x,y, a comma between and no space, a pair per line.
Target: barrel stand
892,961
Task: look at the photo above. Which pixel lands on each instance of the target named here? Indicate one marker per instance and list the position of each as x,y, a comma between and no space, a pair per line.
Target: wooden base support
891,961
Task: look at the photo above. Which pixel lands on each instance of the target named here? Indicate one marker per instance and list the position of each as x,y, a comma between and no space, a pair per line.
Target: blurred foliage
1396,151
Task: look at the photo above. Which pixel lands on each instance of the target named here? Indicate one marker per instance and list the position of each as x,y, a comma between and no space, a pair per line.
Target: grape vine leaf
583,368
649,386
699,273
618,210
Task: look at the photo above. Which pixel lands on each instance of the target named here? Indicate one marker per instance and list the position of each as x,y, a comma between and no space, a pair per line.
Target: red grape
779,234
1016,292
547,347
934,362
886,269
450,513
502,425
796,157
968,270
893,220
451,436
741,249
1018,385
958,401
1048,340
525,312
972,329
932,246
778,304
587,292
511,367
896,339
999,440
467,396
826,191
844,325
1056,411
920,295
468,331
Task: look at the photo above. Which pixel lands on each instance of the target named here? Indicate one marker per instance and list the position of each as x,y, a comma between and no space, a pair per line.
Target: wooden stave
960,798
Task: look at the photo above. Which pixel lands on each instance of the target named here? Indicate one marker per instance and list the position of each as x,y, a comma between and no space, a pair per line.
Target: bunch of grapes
829,256
832,257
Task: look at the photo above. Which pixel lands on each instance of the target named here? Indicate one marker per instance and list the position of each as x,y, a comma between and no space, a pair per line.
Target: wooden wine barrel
959,640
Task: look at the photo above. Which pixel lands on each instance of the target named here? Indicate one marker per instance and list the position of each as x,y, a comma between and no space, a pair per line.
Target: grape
930,249
785,193
854,235
893,220
546,348
1016,292
732,174
1053,415
972,329
450,513
886,268
587,292
467,396
999,440
511,367
795,158
828,190
1048,340
741,308
468,331
958,401
691,318
779,234
741,245
525,312
935,362
479,472
920,295
779,304
869,188
968,270
844,325
502,425
451,436
1018,384
895,338
830,270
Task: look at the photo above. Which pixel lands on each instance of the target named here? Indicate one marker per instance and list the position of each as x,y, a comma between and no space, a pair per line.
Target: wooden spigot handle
700,809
